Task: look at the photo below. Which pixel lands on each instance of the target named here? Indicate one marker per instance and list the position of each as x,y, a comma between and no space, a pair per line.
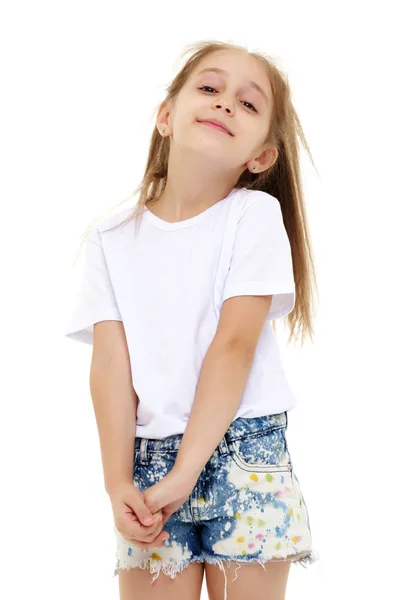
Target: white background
80,85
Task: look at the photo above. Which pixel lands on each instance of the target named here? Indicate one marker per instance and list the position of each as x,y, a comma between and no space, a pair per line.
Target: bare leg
135,584
250,581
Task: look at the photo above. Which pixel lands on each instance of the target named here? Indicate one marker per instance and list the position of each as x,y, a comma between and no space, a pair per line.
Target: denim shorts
246,506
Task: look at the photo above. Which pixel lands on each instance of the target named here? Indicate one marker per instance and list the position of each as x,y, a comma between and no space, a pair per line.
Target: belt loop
223,447
144,456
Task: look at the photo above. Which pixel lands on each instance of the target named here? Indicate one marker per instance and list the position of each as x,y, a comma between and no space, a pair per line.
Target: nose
223,104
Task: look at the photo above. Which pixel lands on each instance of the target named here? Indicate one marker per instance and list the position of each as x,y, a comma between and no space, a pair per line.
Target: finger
157,543
143,513
146,533
150,537
133,529
133,517
142,534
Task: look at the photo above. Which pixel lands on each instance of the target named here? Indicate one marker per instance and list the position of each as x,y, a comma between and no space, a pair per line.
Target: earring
163,131
254,167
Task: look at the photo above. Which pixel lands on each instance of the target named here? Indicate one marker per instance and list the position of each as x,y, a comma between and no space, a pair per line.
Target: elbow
241,350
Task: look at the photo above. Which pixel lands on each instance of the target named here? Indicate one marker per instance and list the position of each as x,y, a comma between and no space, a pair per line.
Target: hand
168,494
131,517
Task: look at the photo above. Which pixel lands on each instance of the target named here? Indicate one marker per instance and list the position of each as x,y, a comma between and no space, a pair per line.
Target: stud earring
163,131
254,167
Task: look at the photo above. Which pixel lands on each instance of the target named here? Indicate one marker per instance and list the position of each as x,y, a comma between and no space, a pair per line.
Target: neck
193,185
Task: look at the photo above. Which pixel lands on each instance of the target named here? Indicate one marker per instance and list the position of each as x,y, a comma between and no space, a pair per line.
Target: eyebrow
250,82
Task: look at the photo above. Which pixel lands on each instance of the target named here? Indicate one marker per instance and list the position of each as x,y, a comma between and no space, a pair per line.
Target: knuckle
141,537
152,534
150,537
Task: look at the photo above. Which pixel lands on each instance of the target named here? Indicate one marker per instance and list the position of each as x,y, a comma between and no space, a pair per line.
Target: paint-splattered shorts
247,505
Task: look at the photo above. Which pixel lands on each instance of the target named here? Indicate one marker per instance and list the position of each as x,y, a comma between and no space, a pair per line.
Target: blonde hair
282,180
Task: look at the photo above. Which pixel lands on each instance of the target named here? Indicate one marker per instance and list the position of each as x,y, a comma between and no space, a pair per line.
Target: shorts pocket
158,466
262,453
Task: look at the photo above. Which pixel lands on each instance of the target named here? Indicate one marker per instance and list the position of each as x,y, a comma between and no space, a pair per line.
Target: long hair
282,180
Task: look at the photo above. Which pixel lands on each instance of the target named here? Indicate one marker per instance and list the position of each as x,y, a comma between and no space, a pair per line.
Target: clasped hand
141,516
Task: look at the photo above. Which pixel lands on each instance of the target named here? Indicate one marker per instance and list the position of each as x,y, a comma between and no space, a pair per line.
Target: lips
217,124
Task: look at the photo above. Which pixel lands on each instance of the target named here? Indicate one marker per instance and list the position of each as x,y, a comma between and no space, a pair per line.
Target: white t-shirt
167,282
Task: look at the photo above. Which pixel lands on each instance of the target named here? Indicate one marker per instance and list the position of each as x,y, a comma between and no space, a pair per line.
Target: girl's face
232,87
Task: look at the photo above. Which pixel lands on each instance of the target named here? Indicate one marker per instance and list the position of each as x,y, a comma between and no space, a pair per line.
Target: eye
252,107
207,86
211,88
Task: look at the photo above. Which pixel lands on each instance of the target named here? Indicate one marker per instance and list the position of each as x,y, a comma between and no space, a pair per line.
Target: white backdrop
80,84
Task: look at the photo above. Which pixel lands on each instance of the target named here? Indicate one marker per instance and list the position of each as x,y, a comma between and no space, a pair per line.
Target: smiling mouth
215,126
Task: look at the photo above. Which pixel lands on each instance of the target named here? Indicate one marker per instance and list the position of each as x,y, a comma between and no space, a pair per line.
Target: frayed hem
171,568
307,557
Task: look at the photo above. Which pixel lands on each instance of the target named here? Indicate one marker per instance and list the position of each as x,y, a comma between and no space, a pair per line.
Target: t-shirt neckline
167,225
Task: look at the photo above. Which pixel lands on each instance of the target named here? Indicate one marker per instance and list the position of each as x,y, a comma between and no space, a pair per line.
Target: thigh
247,581
137,583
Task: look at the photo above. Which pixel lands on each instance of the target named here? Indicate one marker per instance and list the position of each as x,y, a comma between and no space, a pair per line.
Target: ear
163,117
264,160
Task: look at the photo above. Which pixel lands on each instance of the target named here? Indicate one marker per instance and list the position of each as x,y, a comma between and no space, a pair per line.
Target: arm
114,401
222,380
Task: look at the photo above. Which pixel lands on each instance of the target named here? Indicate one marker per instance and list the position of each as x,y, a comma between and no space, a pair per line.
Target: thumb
150,498
143,513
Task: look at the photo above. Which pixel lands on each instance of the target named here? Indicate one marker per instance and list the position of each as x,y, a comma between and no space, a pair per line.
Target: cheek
183,117
256,139
184,126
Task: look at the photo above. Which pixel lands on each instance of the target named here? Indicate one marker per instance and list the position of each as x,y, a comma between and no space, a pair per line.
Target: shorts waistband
237,430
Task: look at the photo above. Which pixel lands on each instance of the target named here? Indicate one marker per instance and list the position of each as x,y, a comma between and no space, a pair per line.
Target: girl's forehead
227,63
237,64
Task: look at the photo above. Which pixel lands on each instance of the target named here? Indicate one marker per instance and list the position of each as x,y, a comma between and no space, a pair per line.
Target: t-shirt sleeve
261,262
93,296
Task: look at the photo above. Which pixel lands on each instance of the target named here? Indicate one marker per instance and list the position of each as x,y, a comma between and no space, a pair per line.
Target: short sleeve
261,262
93,297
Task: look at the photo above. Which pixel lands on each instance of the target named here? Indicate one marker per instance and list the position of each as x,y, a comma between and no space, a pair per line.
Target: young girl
177,299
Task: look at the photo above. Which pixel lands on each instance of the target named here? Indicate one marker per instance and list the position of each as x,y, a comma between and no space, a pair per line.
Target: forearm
221,384
115,404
